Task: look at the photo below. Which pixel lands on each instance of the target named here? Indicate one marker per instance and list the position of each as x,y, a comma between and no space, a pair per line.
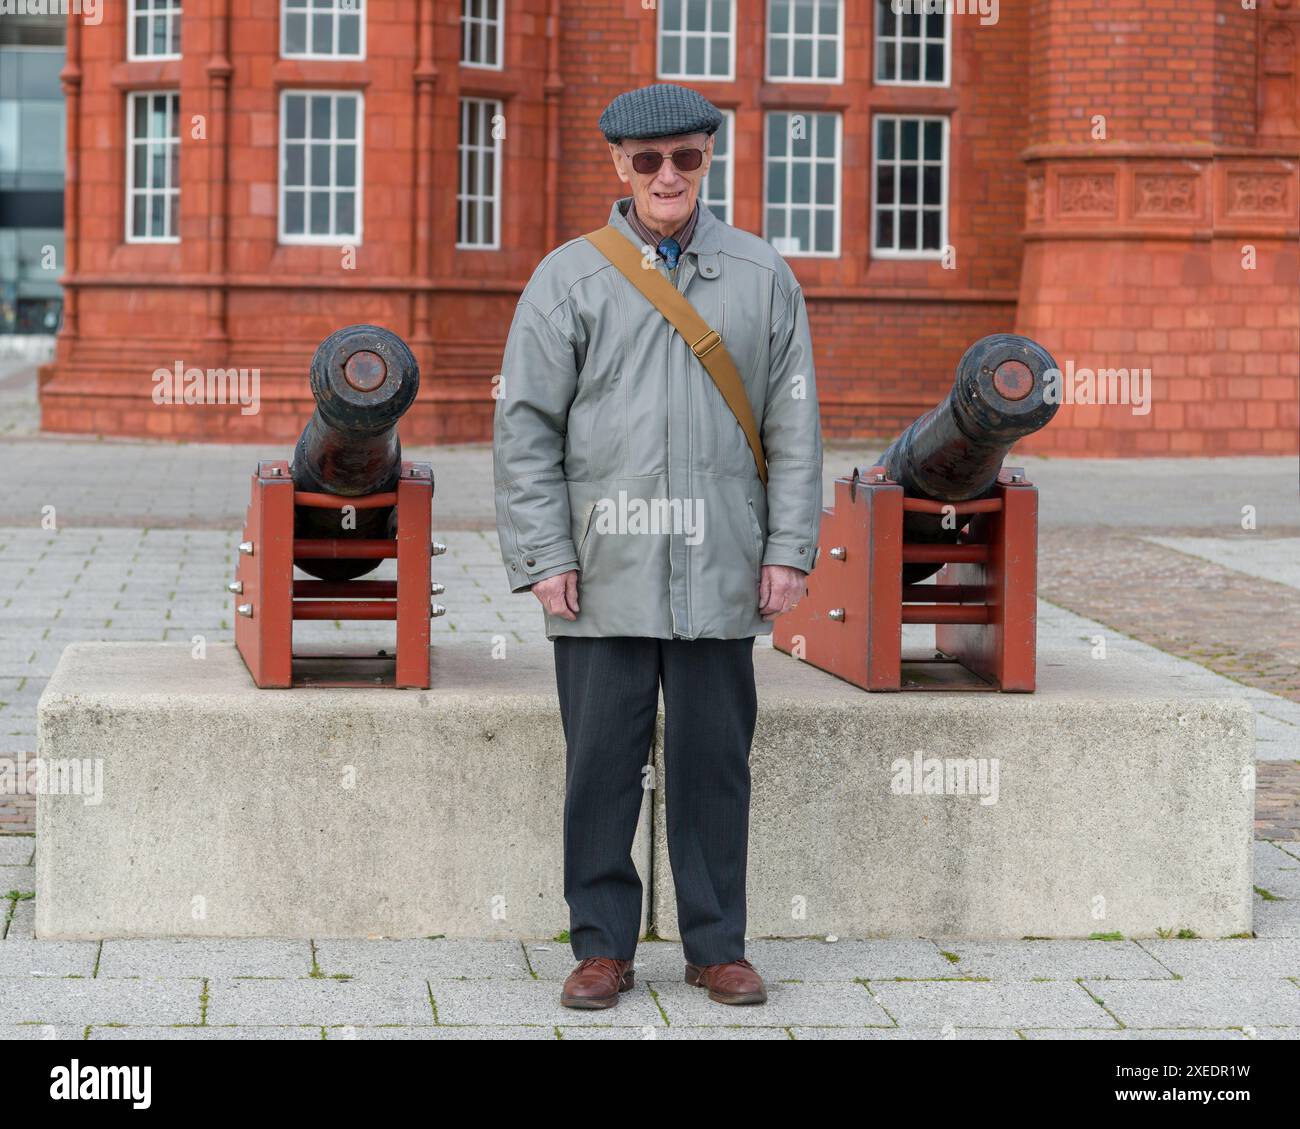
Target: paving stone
17,878
22,923
1277,919
423,959
965,1004
954,1034
809,1005
1238,959
21,957
203,1034
312,1001
1200,1003
509,1032
16,850
1134,1034
81,1002
809,961
33,1031
1054,960
497,1002
1291,1033
675,1034
1277,871
194,957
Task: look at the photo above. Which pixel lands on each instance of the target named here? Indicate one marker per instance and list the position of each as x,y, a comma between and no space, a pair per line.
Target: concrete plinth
1100,805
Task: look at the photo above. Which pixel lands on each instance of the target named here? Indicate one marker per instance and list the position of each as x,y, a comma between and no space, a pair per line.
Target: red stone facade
1122,186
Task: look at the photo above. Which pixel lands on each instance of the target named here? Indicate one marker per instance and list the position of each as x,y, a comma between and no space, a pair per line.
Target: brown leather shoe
736,982
596,982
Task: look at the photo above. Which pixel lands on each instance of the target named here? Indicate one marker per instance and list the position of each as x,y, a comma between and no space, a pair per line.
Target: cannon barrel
364,378
954,452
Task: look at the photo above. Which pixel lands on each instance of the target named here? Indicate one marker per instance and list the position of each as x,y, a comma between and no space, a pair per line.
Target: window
320,167
697,38
322,29
155,30
480,175
482,33
715,192
153,148
805,39
910,175
802,213
911,47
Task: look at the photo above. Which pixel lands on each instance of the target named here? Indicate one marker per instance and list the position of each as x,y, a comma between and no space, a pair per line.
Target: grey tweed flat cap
662,110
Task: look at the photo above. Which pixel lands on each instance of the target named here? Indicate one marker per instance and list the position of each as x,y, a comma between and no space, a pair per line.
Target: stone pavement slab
892,1034
202,957
83,1001
1054,960
808,1005
422,959
676,1034
198,1034
16,850
1133,1034
494,1002
977,1004
48,958
1241,959
1200,1002
318,1002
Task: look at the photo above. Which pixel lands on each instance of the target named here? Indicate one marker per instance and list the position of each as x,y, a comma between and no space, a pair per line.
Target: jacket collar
707,239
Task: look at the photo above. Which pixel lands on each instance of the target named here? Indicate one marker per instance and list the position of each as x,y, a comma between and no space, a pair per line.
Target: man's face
664,199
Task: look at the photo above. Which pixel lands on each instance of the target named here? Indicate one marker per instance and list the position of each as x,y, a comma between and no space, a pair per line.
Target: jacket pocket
586,536
756,529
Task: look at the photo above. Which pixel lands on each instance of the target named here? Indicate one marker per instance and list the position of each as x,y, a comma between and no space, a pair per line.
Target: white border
947,53
730,76
767,48
501,40
362,10
498,151
131,54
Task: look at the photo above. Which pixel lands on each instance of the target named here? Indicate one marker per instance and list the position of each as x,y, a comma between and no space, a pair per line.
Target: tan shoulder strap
705,342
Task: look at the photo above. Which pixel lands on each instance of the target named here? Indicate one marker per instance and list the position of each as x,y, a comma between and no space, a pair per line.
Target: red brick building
1115,179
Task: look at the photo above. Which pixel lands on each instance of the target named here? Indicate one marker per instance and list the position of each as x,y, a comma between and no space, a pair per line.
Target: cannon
938,501
347,502
363,378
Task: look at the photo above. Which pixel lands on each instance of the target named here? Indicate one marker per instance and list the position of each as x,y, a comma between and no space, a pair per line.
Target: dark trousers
609,696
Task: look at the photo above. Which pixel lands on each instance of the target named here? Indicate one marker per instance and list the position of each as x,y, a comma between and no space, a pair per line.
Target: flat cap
662,110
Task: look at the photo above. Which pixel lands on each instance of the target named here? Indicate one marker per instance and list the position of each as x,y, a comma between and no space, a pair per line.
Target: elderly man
664,510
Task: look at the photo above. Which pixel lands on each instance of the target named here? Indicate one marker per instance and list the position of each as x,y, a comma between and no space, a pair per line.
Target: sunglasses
684,160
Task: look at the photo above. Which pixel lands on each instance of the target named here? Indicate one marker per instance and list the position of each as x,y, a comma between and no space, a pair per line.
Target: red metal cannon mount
269,599
939,501
346,502
983,603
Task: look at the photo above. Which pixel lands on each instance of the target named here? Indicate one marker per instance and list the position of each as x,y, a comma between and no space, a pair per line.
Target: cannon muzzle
954,452
364,378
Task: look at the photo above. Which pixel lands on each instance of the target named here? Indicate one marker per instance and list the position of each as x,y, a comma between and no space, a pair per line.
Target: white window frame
305,237
467,17
467,149
878,252
791,36
947,51
814,160
169,15
171,193
708,34
338,7
728,160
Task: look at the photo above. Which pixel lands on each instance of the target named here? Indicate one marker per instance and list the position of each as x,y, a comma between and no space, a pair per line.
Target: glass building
31,173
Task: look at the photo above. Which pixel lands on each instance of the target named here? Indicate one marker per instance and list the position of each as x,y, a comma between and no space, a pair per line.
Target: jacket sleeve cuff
525,569
794,556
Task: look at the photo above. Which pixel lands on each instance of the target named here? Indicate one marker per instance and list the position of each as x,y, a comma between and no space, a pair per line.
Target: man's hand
780,589
559,594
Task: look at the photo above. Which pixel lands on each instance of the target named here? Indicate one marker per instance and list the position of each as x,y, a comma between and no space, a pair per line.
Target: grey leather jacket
615,454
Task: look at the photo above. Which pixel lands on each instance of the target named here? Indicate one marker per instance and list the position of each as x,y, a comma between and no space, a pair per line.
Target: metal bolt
236,586
437,548
245,610
880,476
836,614
840,552
1017,476
437,589
246,547
436,610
